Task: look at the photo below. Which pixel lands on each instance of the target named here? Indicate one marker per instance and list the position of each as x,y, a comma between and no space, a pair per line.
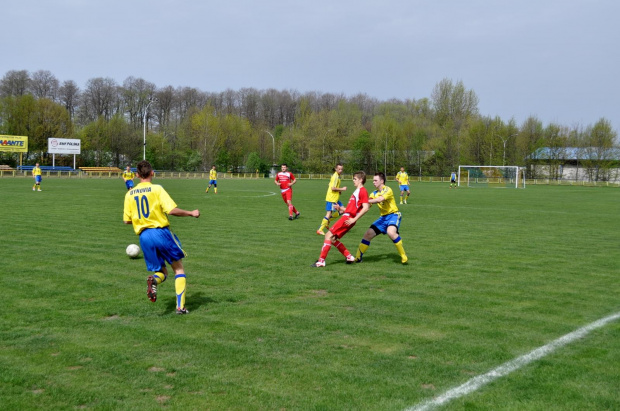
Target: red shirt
284,178
359,197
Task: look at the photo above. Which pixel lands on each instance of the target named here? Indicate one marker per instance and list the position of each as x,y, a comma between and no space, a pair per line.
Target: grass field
492,275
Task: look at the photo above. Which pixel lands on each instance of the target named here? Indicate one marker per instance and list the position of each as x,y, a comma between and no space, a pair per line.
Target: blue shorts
37,179
212,182
382,223
329,206
160,246
129,184
403,188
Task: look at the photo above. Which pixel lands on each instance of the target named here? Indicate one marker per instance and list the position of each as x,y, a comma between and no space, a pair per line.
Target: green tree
600,158
362,158
254,162
454,107
289,156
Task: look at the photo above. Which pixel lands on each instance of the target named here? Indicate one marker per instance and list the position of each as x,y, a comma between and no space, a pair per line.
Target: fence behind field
113,172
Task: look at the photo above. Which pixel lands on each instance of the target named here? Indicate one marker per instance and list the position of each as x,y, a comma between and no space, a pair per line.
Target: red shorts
287,195
339,229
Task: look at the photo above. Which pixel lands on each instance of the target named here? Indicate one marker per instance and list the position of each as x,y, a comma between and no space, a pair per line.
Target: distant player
332,200
128,176
356,208
147,207
453,180
36,173
213,180
403,184
285,180
388,222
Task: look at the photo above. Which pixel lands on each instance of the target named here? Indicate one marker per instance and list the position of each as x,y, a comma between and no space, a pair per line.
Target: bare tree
230,101
44,85
164,110
250,102
69,95
136,94
100,98
15,83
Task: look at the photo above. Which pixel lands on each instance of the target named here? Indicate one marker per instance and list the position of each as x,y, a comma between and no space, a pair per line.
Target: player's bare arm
179,212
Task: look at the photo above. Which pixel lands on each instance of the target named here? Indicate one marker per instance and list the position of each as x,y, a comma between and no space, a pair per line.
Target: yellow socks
401,251
361,249
179,285
324,224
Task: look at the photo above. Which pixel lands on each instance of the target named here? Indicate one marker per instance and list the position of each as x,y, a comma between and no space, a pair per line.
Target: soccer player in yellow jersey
389,221
36,173
128,176
332,200
147,207
212,180
403,184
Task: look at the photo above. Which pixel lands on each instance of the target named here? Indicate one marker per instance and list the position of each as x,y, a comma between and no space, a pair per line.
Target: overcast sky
557,60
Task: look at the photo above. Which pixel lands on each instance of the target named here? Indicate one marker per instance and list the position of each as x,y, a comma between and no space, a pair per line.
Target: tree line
248,129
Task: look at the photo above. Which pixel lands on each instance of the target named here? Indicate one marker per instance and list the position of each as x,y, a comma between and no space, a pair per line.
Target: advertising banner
15,144
64,146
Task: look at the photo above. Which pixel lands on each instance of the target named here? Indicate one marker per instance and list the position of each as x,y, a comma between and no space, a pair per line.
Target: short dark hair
284,164
381,175
144,169
361,175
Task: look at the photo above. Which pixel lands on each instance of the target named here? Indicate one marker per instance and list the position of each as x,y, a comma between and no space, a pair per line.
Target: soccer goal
492,176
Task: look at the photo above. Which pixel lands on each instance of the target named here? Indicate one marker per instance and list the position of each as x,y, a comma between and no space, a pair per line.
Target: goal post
494,176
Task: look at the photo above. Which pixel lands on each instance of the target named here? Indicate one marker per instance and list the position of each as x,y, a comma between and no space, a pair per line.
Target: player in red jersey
358,206
285,180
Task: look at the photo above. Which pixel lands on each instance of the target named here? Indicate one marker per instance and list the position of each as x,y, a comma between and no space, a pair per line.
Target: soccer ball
132,250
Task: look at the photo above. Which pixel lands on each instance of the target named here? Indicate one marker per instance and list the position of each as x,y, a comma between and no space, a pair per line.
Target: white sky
553,59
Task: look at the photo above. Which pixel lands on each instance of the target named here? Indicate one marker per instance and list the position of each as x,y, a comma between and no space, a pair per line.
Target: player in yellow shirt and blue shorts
403,184
147,207
128,176
212,180
388,222
332,200
36,173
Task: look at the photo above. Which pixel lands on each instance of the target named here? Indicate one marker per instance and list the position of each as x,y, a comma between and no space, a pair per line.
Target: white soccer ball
132,250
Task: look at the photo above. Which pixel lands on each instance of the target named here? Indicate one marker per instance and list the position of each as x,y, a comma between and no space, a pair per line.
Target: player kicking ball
356,208
147,207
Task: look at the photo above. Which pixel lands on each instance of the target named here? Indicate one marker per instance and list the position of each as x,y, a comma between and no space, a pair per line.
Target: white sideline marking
513,365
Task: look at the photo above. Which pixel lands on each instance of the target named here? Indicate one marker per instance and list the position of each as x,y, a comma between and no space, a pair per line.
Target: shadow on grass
193,302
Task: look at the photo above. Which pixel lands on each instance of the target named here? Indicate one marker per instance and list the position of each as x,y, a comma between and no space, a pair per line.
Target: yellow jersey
213,175
388,205
36,171
333,196
403,178
147,206
128,175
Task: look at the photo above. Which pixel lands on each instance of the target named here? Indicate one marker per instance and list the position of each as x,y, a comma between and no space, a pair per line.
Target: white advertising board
64,146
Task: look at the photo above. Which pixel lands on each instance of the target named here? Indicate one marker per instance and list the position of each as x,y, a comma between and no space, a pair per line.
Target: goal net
491,176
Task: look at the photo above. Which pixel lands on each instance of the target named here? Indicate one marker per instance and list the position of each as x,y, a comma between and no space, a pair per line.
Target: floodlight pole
273,140
146,110
505,140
